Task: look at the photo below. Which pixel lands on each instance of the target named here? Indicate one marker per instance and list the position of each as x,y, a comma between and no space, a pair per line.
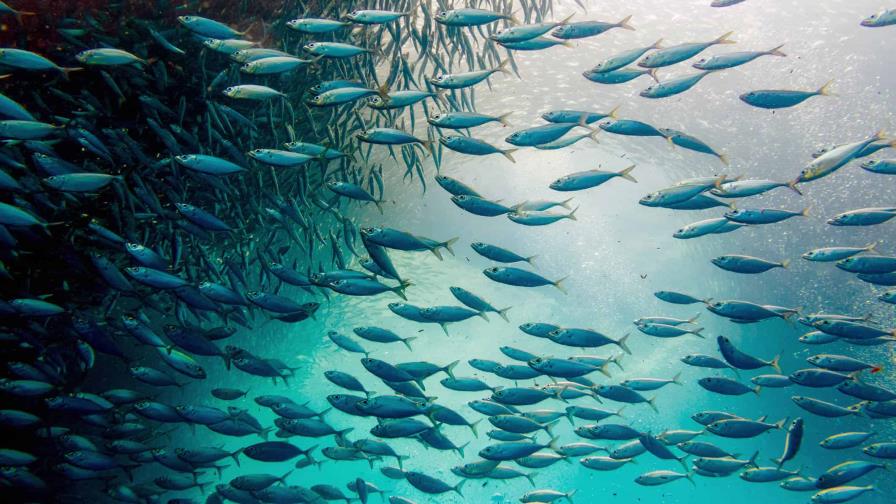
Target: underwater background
616,253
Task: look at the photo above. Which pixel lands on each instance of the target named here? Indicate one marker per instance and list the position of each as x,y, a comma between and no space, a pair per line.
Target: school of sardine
181,180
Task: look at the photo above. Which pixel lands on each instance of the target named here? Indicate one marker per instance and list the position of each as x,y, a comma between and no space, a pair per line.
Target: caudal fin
559,284
825,90
776,51
503,313
626,174
508,154
622,345
724,39
624,23
503,119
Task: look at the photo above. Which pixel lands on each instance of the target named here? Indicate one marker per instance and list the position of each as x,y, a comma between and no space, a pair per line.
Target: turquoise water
612,257
618,253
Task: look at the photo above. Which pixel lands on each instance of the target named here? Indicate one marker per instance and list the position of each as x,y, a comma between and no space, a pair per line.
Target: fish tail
622,345
616,360
626,174
236,457
757,389
379,206
657,44
507,153
502,67
677,378
593,134
724,159
483,316
531,260
407,342
776,51
559,283
449,369
399,289
792,186
572,215
805,212
460,449
503,313
567,43
693,319
871,247
457,488
565,203
696,332
752,460
603,369
652,403
652,74
473,427
448,243
785,263
825,90
68,70
623,23
503,119
724,39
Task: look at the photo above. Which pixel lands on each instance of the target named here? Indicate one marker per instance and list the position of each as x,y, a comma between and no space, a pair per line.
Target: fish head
700,63
721,260
250,67
443,16
748,96
231,91
448,140
513,137
134,247
848,261
53,401
871,20
338,283
648,92
437,79
376,101
317,100
463,198
870,164
310,46
809,255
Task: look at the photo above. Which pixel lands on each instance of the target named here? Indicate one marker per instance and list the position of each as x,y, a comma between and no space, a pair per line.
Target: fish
782,98
675,54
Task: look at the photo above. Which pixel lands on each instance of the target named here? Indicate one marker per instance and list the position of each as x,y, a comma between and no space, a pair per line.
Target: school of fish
168,188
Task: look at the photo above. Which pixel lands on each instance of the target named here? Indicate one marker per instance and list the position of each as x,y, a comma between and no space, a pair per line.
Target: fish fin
785,263
567,43
593,134
531,260
460,449
775,363
696,332
448,243
572,215
616,360
652,73
776,51
565,203
724,159
552,444
652,403
503,119
871,247
457,488
693,319
483,316
444,328
792,186
626,174
757,389
603,369
507,153
805,212
752,460
677,378
435,252
724,39
623,23
657,44
503,313
502,67
559,283
472,427
825,90
449,369
407,342
622,345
